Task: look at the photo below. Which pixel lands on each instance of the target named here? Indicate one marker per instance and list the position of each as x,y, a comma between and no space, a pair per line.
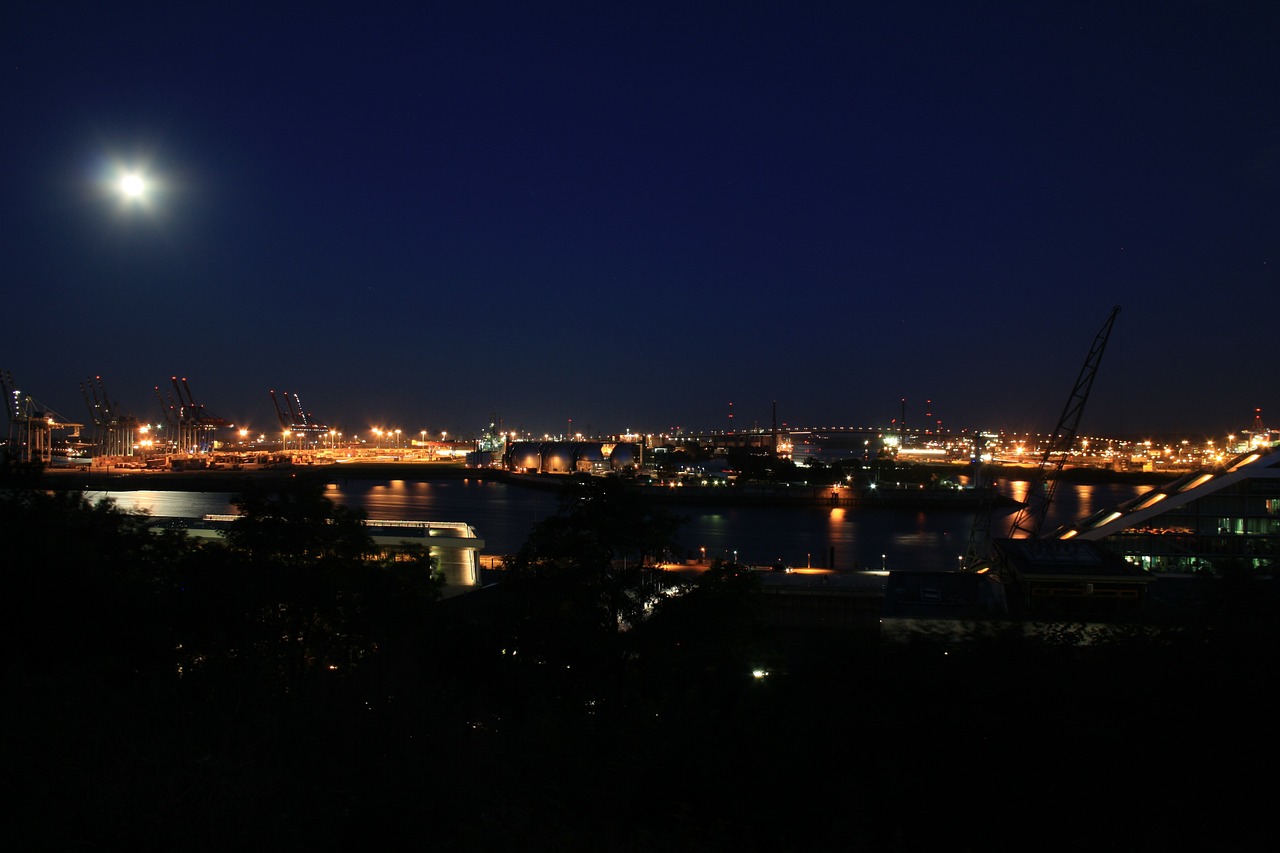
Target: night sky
632,214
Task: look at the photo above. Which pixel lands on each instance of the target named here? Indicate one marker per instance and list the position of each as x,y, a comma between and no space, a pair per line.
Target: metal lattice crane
295,418
31,425
113,433
1030,516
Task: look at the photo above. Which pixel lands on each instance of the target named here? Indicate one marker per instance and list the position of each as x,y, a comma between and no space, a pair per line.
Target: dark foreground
272,693
846,745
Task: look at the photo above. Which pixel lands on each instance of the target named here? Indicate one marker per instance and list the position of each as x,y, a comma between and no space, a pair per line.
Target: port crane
188,420
113,434
31,425
293,417
1030,516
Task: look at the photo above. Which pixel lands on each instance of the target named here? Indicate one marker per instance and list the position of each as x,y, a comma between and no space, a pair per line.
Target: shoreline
227,480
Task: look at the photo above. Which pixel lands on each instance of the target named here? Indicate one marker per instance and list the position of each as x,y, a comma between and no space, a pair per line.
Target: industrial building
571,457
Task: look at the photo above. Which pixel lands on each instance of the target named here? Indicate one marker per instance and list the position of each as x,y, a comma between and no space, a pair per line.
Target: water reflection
504,515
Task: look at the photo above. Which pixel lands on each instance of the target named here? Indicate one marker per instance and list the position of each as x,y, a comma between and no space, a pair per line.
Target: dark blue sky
631,214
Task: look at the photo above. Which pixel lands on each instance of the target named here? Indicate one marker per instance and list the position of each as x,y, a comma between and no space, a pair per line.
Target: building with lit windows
1213,522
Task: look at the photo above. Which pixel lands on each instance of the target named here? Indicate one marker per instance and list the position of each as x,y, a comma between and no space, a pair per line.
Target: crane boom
12,396
109,408
1027,522
91,403
167,409
1031,515
292,416
280,415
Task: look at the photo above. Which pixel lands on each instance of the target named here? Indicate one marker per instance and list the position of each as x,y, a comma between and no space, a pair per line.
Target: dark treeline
287,688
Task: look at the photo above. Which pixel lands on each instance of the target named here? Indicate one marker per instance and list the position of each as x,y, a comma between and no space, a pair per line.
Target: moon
133,186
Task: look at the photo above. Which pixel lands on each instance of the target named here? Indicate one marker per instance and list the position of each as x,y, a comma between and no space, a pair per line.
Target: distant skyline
631,215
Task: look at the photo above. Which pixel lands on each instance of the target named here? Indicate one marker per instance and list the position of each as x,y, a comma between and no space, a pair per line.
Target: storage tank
558,457
625,454
589,457
525,456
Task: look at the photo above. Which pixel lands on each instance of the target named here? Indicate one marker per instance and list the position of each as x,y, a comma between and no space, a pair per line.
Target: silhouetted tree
598,551
85,583
298,525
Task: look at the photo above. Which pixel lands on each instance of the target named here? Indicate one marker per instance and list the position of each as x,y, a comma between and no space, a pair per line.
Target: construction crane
1030,516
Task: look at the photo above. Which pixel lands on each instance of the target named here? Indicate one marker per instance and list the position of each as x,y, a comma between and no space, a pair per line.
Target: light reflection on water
163,503
504,515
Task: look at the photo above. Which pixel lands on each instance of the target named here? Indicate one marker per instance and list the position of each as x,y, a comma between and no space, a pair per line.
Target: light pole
883,557
284,441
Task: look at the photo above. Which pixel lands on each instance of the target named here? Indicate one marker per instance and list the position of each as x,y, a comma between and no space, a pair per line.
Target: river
503,515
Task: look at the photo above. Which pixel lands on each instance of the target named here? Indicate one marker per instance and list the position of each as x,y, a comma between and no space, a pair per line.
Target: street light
284,441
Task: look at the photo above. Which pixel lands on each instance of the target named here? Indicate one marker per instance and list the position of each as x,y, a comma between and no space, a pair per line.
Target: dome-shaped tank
525,456
626,454
590,455
558,457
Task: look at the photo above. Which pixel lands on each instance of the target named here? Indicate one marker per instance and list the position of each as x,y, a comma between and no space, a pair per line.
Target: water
503,516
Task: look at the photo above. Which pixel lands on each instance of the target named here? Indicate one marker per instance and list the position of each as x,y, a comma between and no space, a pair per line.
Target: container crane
285,420
113,433
293,417
1030,516
194,421
31,425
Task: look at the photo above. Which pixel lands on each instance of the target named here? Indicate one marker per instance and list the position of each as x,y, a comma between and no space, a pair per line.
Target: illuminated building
1212,522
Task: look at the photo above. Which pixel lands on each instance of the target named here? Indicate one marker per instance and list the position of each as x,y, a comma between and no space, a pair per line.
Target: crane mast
1030,517
293,416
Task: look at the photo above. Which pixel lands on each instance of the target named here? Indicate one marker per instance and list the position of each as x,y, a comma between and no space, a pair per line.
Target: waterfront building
454,545
1215,521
